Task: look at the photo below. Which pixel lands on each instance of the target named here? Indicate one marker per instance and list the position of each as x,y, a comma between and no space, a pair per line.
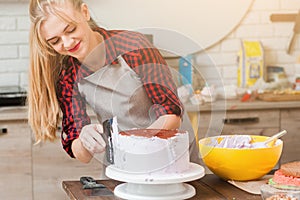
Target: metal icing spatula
107,129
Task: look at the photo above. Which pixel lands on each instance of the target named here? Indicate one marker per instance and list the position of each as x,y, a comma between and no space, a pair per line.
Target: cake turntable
140,186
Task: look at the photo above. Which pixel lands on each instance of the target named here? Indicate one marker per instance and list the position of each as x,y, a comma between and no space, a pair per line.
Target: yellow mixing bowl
239,164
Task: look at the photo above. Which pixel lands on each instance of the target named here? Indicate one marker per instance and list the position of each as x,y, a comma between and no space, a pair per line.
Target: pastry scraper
107,130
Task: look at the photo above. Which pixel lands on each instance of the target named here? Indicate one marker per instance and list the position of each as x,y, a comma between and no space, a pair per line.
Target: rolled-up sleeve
156,77
73,107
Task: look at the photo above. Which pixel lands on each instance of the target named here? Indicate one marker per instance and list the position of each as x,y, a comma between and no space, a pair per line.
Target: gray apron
116,90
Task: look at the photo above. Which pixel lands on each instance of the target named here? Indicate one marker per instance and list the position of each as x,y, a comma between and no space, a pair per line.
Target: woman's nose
67,42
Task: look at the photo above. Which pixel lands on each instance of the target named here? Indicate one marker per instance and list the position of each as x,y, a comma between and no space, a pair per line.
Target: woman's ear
85,11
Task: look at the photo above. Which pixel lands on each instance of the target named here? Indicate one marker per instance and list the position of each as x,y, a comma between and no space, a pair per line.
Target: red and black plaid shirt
141,56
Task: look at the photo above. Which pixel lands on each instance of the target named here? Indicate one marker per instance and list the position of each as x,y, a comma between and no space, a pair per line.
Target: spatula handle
276,136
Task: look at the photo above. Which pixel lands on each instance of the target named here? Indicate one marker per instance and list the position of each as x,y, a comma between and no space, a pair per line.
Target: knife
92,188
90,183
107,129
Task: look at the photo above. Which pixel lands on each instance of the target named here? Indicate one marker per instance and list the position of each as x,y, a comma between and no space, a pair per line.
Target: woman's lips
75,48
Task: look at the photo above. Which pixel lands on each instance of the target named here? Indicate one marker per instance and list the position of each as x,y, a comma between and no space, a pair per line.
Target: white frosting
138,154
237,142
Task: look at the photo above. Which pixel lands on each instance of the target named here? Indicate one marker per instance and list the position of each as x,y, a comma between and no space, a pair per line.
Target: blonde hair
45,66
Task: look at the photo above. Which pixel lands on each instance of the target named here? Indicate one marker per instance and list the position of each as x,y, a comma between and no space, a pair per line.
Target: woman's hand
89,142
169,121
91,138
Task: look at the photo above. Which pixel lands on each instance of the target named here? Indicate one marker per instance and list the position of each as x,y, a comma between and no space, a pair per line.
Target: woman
73,62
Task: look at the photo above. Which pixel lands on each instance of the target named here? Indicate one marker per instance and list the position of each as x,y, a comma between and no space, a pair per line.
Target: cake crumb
281,197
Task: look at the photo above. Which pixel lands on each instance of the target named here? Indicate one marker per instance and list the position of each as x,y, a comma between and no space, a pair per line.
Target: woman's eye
54,42
71,30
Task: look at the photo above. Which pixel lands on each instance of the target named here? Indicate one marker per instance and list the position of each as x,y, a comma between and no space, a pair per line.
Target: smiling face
70,37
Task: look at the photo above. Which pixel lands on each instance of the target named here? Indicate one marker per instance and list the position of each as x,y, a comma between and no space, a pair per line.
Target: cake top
161,133
291,169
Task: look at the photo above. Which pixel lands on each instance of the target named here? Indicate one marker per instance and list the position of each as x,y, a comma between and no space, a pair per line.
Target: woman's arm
73,107
81,153
156,77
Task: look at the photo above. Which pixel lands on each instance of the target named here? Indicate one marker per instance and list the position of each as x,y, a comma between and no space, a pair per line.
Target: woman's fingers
99,128
91,138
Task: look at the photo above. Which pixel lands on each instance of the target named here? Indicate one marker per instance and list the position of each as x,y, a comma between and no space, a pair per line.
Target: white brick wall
14,26
257,26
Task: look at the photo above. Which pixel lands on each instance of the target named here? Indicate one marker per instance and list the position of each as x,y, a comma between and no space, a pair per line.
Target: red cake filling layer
161,133
281,178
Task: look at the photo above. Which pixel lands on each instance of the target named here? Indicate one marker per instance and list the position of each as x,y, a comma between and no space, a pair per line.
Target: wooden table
210,187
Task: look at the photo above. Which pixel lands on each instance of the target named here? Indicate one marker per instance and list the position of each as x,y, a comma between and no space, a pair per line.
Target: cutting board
252,187
279,97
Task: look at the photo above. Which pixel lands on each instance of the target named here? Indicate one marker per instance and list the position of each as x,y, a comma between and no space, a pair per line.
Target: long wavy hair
45,66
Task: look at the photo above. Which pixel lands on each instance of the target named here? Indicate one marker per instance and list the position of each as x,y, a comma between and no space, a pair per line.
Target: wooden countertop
238,105
210,187
20,112
13,113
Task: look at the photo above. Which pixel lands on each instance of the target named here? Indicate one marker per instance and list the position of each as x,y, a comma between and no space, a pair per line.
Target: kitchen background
37,171
256,25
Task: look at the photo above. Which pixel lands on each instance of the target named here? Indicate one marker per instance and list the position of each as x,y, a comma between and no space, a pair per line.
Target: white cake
151,151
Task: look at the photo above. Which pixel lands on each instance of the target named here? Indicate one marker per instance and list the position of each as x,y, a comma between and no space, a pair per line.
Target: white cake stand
155,187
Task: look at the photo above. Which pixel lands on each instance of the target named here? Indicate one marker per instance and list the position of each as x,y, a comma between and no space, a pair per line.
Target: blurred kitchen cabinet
15,160
255,122
51,165
258,118
31,171
290,120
